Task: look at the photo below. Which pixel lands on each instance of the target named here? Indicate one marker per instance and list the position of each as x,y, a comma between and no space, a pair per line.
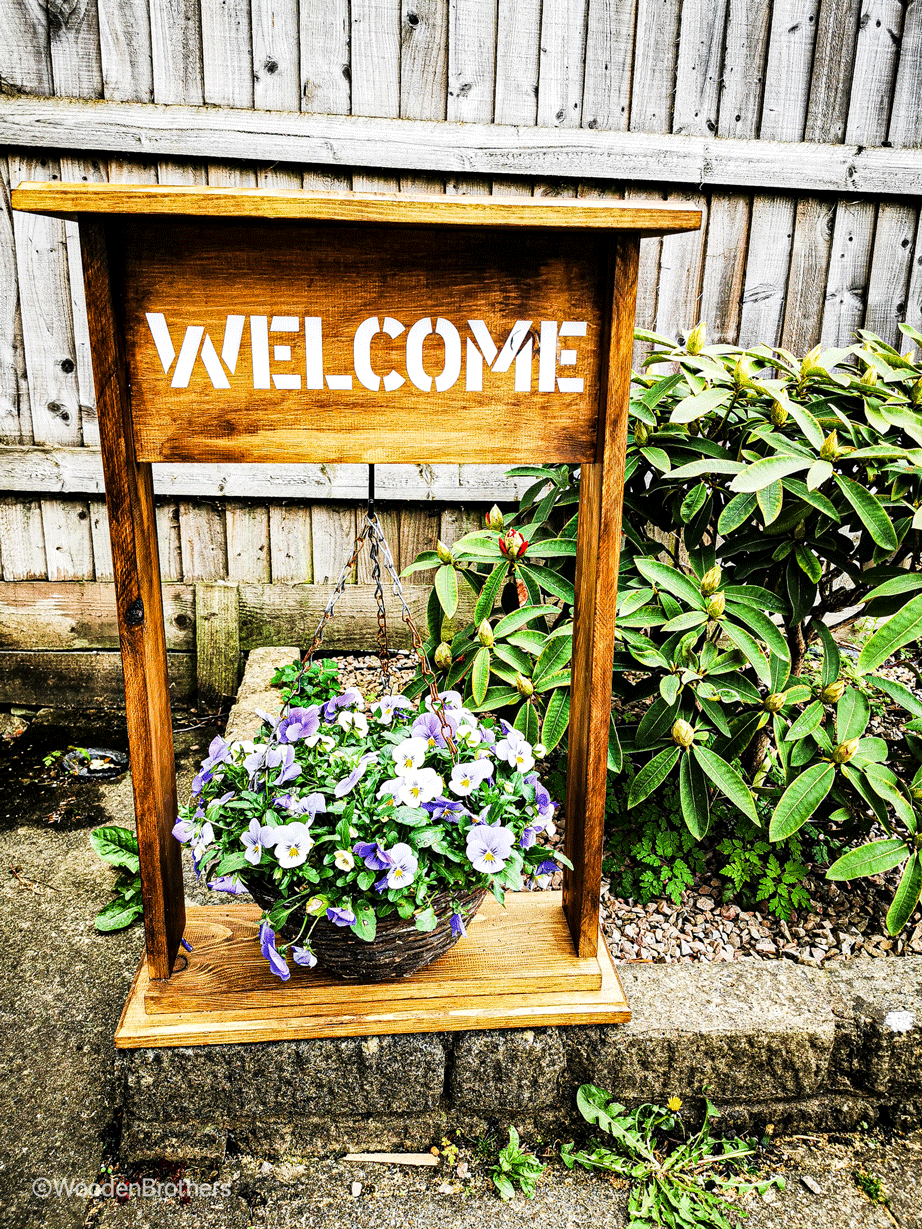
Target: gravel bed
840,924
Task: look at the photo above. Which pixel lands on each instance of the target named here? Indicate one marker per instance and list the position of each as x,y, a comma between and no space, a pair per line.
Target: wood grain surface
133,529
526,948
282,274
381,208
291,1011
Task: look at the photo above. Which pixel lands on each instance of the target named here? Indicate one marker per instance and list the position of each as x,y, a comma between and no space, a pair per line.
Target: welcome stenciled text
274,365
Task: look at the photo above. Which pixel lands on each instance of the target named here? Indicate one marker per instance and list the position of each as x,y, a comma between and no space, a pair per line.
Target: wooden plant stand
273,326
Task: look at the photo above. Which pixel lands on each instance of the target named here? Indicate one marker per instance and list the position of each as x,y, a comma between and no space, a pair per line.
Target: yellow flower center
488,857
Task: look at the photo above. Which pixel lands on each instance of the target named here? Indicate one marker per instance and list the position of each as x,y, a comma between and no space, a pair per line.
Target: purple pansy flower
428,726
488,848
267,947
307,808
340,917
381,884
184,830
343,787
458,929
465,778
445,808
528,838
547,867
200,780
374,855
256,839
228,883
403,865
349,699
300,723
303,956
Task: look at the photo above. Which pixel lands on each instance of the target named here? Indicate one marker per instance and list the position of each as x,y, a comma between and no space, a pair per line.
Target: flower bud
682,734
774,703
710,581
539,751
695,339
716,606
641,433
844,752
443,552
443,656
778,414
742,373
869,376
833,693
809,365
495,519
485,634
512,544
524,686
830,449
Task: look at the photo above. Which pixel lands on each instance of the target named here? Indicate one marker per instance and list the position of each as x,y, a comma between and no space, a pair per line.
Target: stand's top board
297,326
379,209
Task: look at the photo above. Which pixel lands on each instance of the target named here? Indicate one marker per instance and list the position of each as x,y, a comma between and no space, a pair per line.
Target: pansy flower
299,723
409,754
465,778
419,786
348,783
340,917
375,857
276,959
293,843
403,865
256,839
387,706
516,751
489,848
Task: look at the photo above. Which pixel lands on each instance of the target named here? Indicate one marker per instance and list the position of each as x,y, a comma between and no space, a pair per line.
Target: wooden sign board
232,325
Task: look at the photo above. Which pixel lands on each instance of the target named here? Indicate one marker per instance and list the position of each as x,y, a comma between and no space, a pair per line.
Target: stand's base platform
515,969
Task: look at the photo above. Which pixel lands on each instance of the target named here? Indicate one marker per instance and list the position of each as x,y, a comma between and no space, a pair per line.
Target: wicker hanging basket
398,948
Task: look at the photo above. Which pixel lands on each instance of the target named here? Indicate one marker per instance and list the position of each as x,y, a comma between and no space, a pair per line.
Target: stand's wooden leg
597,556
133,529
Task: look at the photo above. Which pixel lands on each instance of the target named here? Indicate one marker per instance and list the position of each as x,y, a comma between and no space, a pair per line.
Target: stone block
226,1085
507,1070
884,1000
256,690
732,1032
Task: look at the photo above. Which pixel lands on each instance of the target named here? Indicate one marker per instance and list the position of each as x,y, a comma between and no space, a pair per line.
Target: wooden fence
795,125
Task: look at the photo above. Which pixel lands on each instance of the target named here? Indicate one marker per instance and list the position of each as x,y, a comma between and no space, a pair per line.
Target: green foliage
652,854
872,1186
763,495
119,846
318,683
676,1181
769,875
516,1168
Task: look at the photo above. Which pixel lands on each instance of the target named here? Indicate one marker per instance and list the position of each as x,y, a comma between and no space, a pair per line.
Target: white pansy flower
344,860
410,754
354,721
420,785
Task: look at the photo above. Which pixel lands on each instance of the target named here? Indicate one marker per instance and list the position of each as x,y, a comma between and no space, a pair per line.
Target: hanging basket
398,948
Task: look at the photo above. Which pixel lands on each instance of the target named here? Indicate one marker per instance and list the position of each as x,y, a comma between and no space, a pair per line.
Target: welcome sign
271,325
362,344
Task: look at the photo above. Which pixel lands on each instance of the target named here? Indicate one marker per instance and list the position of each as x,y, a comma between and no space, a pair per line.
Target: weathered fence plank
439,147
248,553
15,418
82,679
22,542
203,541
81,615
217,642
68,544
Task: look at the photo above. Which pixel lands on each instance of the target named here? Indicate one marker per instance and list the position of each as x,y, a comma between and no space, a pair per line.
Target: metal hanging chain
380,552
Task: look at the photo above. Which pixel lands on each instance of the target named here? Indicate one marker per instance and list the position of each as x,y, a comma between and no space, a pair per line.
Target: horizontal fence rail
456,149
